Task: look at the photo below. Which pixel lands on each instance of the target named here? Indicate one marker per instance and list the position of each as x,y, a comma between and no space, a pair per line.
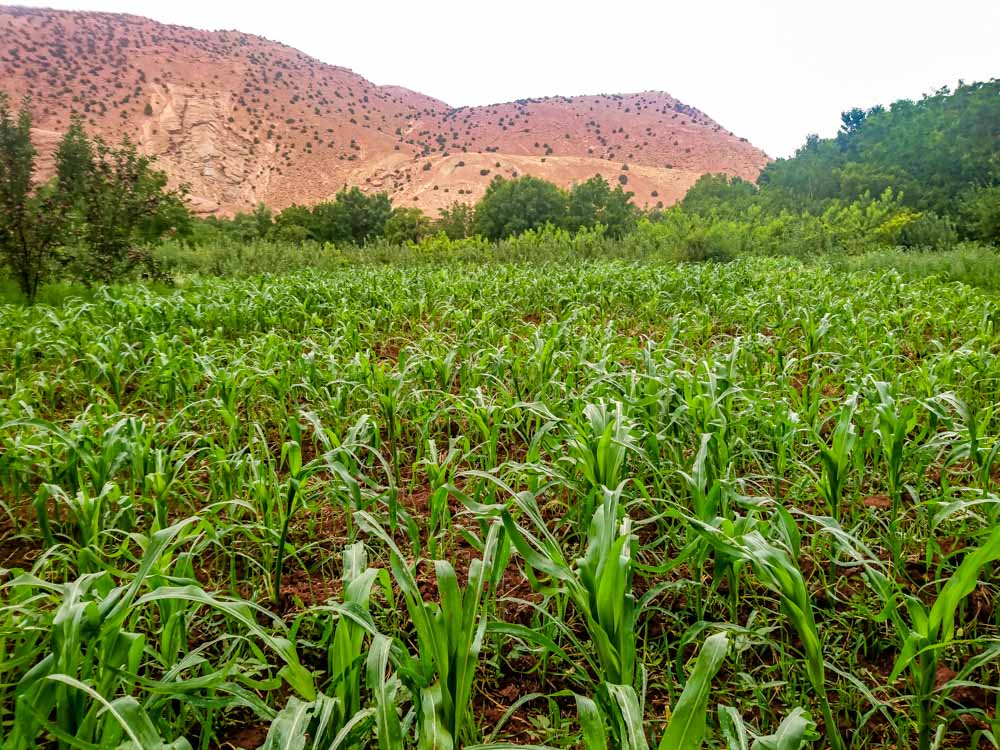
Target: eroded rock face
242,120
190,132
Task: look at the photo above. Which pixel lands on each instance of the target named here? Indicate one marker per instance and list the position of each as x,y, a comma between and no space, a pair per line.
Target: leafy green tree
407,225
298,223
719,195
116,203
263,220
981,211
353,218
594,202
511,207
32,224
935,153
91,220
290,232
456,221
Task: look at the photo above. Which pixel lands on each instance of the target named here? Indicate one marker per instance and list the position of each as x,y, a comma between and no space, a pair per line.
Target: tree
353,218
719,195
247,227
263,220
90,219
594,202
981,210
299,223
933,152
115,203
456,221
31,227
407,225
511,207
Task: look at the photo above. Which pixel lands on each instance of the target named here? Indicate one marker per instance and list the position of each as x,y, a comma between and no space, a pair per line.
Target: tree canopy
88,222
512,207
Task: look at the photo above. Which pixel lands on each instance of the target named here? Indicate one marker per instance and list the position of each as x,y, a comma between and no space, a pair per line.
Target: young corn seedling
449,639
440,469
773,564
686,727
708,495
384,690
796,731
98,635
973,446
126,724
388,392
86,645
291,454
599,584
160,482
87,517
598,448
321,722
893,423
345,652
924,631
836,456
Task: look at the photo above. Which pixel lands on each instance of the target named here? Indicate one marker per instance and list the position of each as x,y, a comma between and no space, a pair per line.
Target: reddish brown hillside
244,120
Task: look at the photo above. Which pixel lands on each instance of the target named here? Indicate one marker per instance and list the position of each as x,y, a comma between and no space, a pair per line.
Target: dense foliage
509,208
90,221
938,158
917,175
443,504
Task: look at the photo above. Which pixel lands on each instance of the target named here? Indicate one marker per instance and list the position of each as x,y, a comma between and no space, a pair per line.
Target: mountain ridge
242,120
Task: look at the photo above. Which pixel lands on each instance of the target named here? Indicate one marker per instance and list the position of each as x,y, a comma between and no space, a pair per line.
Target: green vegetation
449,504
89,221
509,208
935,159
540,472
921,176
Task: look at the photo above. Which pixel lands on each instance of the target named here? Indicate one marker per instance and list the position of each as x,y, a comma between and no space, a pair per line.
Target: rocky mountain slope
244,120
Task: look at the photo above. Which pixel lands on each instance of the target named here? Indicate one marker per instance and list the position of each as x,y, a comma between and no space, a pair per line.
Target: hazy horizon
768,71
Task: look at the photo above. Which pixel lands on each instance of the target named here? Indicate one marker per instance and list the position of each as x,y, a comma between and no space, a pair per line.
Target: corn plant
924,631
320,721
599,584
836,456
440,469
449,638
93,639
291,452
893,423
87,515
796,731
973,445
773,564
345,652
686,727
385,690
599,445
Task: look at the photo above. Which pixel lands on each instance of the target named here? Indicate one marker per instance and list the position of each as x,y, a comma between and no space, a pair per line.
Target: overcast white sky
769,70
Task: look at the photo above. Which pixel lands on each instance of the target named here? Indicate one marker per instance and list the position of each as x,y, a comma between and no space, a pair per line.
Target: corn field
611,505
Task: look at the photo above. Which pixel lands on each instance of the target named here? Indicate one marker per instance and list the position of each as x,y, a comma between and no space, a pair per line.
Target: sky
772,71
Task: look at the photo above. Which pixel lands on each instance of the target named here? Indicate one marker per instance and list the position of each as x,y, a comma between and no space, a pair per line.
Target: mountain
243,120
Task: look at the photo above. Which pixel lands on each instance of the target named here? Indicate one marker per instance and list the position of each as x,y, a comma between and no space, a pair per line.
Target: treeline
936,161
509,207
917,174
